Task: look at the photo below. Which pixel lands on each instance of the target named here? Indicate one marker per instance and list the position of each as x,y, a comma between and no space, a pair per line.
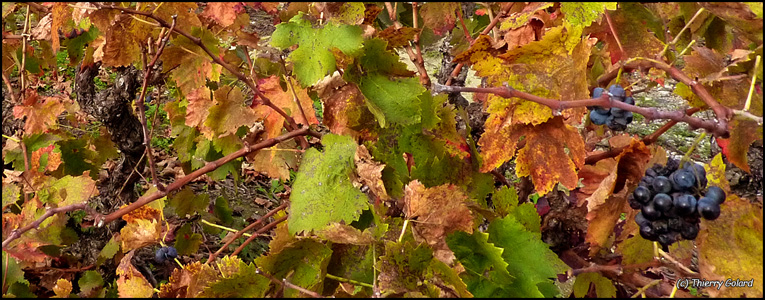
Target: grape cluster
165,253
615,118
668,202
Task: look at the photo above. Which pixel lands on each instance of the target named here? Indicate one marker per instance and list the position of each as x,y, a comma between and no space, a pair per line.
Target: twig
612,270
604,101
647,140
403,230
674,262
424,79
464,28
747,115
292,87
23,67
7,82
351,281
613,31
291,124
683,52
751,85
210,166
208,223
677,38
501,178
140,101
242,232
645,287
16,233
258,233
458,68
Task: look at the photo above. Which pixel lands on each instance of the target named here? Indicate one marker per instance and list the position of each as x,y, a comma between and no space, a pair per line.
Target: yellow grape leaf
730,247
131,283
194,65
275,162
437,211
124,37
228,113
189,281
62,288
41,113
716,173
184,10
142,228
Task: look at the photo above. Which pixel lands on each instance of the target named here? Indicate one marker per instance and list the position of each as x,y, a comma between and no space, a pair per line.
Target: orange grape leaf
199,106
61,13
286,101
370,172
275,162
124,36
439,16
195,67
704,63
223,13
608,201
184,10
131,283
345,111
189,281
41,114
730,247
228,113
636,38
438,211
346,234
742,134
139,233
47,156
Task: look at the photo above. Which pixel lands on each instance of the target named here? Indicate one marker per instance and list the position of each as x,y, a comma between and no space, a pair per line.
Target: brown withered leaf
345,234
436,212
370,172
398,37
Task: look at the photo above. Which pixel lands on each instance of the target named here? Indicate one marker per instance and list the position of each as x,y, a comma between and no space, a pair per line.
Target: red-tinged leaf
130,282
345,110
228,113
739,15
742,134
222,13
61,13
440,16
186,12
439,211
41,114
44,159
636,38
199,106
194,65
286,101
370,173
124,35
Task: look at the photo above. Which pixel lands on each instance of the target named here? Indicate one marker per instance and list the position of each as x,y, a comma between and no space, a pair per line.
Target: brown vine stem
424,78
16,233
210,166
613,31
248,228
258,233
604,101
464,28
148,68
679,34
291,124
458,68
7,82
723,114
22,68
647,140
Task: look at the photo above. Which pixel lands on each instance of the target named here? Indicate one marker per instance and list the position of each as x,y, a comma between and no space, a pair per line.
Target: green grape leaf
90,283
186,241
323,192
306,260
313,59
11,271
110,249
238,280
11,193
579,15
604,288
186,202
392,100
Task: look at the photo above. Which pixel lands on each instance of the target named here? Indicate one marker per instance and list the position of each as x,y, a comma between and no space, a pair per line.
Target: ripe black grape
660,226
634,204
684,204
598,118
172,252
666,239
642,194
647,232
661,184
650,212
662,202
689,231
617,91
161,255
597,92
708,208
698,171
682,180
715,193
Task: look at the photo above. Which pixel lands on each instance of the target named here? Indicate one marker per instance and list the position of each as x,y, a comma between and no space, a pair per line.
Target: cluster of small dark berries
669,202
165,253
615,118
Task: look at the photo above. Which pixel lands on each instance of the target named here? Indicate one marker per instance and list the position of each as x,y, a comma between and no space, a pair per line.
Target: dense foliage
375,175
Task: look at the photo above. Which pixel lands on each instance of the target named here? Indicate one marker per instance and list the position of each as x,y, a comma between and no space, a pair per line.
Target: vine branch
242,232
16,233
258,233
424,78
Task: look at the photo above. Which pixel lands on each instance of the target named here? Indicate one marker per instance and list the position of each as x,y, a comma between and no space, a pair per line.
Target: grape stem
641,291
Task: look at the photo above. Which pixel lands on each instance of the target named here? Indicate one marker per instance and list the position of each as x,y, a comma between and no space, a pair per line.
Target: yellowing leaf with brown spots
742,134
716,173
440,16
437,211
730,247
228,113
370,172
131,283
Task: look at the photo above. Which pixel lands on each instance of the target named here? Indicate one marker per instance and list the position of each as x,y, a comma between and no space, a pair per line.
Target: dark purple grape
617,91
660,226
640,220
685,204
597,92
161,255
603,111
662,202
675,224
689,231
650,173
628,117
699,173
629,100
617,112
598,118
634,204
172,252
708,208
650,212
642,194
647,232
682,180
661,184
616,123
666,239
715,193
